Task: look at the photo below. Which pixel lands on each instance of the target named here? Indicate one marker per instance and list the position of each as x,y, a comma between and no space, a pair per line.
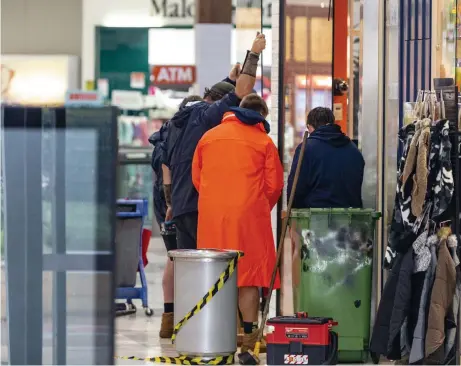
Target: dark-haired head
319,116
255,103
218,91
191,98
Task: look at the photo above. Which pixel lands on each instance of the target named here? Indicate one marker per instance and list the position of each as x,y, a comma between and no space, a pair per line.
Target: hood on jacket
331,134
160,135
250,117
182,116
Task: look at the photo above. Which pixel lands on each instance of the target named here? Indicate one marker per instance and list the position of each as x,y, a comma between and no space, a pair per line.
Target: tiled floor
136,335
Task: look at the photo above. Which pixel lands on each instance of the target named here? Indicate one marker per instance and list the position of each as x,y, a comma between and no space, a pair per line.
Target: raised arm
246,81
244,85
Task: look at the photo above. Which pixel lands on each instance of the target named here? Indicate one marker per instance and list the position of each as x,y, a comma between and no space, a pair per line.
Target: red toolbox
300,340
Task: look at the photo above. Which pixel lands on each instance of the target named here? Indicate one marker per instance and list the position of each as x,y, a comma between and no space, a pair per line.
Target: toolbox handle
301,314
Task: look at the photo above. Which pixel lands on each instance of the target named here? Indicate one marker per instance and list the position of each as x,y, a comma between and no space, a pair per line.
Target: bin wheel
149,311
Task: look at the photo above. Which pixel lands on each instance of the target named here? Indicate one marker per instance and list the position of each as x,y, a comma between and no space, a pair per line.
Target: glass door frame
25,260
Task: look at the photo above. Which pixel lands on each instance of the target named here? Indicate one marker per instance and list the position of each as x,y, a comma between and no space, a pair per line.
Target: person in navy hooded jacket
158,140
331,173
187,128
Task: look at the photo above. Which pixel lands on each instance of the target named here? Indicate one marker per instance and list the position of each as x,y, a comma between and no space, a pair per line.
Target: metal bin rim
203,254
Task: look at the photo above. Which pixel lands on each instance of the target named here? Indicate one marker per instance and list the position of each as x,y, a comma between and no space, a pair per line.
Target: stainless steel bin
211,332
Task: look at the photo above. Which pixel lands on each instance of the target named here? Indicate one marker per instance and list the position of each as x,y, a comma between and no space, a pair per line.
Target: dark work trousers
186,230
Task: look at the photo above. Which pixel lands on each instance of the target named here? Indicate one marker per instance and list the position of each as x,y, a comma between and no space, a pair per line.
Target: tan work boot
166,329
249,342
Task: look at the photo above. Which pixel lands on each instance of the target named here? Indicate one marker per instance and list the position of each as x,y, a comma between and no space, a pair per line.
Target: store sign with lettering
173,75
182,12
83,98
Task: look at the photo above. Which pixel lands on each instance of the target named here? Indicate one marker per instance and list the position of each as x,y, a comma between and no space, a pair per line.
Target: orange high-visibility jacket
239,177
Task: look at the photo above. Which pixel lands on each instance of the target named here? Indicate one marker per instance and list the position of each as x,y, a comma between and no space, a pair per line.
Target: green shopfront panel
120,52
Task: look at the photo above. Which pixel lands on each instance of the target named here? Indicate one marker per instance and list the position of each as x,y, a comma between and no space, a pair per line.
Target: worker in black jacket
331,174
187,128
158,140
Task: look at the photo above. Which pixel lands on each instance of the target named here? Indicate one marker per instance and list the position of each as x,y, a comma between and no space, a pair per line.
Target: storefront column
213,30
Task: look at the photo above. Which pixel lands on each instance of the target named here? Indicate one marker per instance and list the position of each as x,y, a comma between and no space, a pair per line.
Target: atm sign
173,75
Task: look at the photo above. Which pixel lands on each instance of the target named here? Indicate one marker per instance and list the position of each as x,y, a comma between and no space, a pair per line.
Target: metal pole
59,238
23,234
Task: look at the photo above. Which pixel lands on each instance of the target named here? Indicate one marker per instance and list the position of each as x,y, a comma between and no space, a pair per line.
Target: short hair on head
191,98
255,103
320,116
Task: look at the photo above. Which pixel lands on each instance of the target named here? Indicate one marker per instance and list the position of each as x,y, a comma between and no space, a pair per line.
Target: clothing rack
423,206
456,157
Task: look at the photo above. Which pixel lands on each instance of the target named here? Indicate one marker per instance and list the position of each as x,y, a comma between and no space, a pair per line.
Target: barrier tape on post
184,360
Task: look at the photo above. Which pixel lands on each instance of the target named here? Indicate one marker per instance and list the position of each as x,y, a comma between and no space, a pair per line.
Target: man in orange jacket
237,171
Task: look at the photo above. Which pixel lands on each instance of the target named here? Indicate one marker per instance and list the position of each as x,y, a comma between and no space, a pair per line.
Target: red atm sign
173,75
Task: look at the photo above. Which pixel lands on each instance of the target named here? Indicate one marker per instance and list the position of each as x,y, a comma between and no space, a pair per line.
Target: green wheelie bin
335,270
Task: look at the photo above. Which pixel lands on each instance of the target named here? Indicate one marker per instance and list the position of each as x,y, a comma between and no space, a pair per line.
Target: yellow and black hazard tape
184,360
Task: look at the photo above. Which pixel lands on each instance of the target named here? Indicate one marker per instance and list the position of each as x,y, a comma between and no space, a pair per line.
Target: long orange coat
239,177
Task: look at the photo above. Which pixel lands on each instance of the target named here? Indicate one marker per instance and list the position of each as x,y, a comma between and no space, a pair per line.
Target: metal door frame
25,261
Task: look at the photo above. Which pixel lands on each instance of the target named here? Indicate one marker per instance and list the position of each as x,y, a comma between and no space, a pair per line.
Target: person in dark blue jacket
188,126
332,169
159,141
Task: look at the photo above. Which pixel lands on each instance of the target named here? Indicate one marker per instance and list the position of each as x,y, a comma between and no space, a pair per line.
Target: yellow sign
89,85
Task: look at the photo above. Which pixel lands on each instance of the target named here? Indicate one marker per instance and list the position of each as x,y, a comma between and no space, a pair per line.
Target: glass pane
307,84
391,107
321,40
4,327
87,318
136,181
300,34
445,55
89,154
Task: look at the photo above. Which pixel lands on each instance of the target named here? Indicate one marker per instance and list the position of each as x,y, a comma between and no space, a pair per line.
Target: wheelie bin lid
308,212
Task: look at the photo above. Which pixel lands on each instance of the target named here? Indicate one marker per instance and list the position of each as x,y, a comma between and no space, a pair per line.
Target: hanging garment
443,291
401,306
410,160
380,334
452,317
422,253
443,188
417,349
401,216
420,177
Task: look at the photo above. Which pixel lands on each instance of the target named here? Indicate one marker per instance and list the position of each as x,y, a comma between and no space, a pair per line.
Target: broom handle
282,236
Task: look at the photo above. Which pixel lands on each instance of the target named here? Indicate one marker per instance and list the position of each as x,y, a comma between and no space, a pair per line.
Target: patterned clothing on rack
402,219
443,187
428,171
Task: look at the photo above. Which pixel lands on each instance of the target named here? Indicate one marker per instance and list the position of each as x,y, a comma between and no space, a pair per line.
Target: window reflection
308,67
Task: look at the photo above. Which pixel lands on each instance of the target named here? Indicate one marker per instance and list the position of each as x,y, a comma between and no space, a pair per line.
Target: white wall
183,52
41,27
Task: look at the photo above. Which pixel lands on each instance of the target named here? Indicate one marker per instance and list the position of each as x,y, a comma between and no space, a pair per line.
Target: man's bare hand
235,72
259,44
169,214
